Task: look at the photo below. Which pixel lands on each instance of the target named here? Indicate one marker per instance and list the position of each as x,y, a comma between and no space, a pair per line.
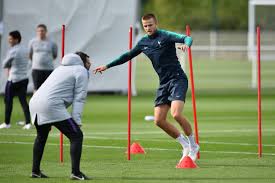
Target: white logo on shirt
159,42
145,47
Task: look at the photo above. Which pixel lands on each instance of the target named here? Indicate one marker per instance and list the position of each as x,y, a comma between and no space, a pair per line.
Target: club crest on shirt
159,43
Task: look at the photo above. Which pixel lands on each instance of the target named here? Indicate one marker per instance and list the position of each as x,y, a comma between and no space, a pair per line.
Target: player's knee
159,121
40,139
78,136
176,115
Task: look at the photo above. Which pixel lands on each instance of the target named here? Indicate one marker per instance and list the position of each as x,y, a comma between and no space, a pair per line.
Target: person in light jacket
16,64
67,85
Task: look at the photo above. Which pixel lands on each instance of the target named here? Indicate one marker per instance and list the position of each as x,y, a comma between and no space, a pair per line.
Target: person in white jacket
67,85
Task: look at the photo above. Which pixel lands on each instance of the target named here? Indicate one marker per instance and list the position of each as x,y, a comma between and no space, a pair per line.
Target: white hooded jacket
67,85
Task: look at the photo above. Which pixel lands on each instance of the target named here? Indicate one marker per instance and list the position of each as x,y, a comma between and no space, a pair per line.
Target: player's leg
38,148
22,93
176,112
73,132
8,98
42,76
162,106
176,109
178,88
161,121
35,78
47,74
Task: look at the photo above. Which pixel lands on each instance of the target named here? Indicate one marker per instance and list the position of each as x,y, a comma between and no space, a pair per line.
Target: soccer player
42,52
159,46
16,64
66,86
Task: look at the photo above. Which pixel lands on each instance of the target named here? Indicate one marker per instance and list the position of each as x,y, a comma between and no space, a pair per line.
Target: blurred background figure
42,53
16,65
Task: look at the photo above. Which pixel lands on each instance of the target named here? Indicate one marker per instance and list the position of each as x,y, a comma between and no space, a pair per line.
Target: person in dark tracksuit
42,52
66,86
16,64
159,46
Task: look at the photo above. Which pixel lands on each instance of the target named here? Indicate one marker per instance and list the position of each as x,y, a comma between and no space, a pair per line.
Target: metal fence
230,45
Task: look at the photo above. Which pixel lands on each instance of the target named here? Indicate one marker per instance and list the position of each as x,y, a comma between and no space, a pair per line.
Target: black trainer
80,176
38,175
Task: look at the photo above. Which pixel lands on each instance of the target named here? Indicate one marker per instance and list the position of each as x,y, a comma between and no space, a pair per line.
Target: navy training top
160,49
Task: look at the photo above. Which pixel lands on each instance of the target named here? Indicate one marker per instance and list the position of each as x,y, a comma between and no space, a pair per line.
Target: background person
42,52
16,64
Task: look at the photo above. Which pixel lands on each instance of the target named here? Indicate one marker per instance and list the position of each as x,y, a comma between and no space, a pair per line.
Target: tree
175,14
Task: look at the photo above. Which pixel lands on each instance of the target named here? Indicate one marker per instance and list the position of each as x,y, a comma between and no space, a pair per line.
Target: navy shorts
174,89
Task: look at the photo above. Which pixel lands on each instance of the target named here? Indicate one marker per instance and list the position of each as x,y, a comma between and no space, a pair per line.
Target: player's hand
183,47
100,69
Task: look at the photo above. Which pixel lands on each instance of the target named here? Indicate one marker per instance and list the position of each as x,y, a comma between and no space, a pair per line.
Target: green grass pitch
227,117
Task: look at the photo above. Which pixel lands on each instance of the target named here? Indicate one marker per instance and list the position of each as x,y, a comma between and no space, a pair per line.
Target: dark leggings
71,130
16,89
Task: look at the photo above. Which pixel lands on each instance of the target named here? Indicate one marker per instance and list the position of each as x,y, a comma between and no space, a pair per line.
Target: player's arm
7,63
180,38
120,60
80,93
8,60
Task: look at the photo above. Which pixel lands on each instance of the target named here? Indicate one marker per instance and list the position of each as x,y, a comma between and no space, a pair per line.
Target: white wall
98,27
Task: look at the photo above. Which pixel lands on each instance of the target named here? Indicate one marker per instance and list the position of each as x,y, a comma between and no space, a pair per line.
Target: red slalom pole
259,93
129,92
62,55
193,91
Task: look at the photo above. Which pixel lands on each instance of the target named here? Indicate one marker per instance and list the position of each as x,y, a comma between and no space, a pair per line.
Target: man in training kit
159,46
16,64
42,52
67,85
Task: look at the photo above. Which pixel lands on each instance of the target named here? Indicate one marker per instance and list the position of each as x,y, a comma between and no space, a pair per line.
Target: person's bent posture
67,85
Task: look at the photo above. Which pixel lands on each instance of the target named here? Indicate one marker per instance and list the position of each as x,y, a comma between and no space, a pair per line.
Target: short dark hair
149,16
83,56
42,26
16,35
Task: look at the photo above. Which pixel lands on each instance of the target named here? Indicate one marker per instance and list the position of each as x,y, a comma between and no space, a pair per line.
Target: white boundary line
153,149
139,139
200,131
161,132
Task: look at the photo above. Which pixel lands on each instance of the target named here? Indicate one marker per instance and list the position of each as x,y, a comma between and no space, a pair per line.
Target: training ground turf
227,116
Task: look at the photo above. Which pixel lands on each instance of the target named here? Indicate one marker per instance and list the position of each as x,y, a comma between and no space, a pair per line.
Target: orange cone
136,148
187,162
